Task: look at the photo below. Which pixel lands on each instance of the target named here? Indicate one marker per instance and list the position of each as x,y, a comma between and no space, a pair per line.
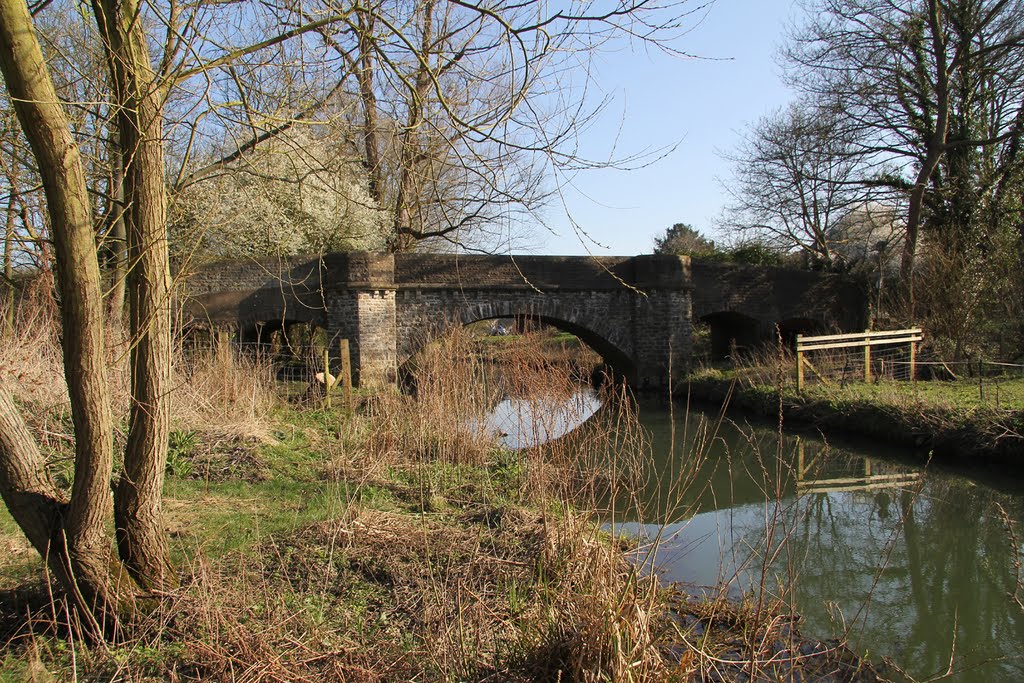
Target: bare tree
25,239
794,178
463,111
902,71
202,49
72,534
75,58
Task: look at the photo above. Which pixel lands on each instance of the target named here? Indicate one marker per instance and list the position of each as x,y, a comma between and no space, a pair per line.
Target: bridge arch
605,335
791,327
731,330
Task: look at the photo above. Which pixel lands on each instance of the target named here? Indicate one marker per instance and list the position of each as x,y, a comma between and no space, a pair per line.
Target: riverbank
397,542
375,547
941,420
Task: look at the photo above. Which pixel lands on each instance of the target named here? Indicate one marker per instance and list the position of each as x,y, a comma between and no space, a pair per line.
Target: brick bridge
637,312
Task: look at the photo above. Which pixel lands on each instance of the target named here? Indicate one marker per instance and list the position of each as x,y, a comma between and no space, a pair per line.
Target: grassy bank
397,543
949,420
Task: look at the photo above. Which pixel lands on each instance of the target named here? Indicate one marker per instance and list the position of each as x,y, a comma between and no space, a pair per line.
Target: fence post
981,381
223,346
224,361
800,469
346,373
913,358
799,364
327,379
867,356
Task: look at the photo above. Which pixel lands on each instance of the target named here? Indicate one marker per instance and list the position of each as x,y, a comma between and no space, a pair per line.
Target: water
907,562
522,423
911,563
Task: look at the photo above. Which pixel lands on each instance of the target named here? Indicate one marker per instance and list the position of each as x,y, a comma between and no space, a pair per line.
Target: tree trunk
91,578
141,538
936,146
83,538
407,202
365,71
9,264
116,234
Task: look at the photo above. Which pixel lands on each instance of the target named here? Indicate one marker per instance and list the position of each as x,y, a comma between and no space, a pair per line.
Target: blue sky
659,100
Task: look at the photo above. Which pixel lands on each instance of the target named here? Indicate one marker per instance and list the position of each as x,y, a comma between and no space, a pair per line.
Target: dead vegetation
395,544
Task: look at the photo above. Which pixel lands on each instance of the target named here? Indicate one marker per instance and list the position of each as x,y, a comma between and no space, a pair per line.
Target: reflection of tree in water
902,567
899,560
959,560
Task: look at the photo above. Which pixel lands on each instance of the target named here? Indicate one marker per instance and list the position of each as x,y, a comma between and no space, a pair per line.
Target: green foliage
683,240
180,449
751,253
756,255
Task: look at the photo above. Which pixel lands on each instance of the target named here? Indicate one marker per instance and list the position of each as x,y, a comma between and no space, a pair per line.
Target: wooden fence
866,339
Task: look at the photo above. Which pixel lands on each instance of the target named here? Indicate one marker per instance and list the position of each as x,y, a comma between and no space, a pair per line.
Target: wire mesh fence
295,362
868,354
844,366
895,357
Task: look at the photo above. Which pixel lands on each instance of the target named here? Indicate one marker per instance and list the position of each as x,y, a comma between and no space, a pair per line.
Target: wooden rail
865,339
852,481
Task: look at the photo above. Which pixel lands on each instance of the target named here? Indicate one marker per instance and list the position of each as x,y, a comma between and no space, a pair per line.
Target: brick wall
376,340
633,332
772,295
637,311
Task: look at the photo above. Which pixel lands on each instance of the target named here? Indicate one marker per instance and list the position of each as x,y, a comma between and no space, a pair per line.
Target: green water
911,563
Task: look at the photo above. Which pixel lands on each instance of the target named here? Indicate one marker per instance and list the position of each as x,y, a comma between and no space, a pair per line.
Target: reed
402,543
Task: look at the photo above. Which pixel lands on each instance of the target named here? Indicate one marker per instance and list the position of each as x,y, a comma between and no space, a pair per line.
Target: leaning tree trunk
73,537
936,144
408,203
91,577
9,304
141,538
364,73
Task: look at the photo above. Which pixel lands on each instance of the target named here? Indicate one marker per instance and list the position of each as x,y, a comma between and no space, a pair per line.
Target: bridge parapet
541,273
637,311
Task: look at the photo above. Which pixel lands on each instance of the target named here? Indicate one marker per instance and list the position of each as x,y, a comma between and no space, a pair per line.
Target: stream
913,563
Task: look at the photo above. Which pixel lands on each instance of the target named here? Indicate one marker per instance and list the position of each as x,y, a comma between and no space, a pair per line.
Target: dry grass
224,394
562,601
440,556
227,392
452,389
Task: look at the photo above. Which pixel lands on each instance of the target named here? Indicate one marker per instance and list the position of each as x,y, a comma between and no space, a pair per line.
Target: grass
398,543
18,560
991,393
966,419
844,376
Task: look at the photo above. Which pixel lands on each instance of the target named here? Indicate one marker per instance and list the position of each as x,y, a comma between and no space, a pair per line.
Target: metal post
867,356
799,364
